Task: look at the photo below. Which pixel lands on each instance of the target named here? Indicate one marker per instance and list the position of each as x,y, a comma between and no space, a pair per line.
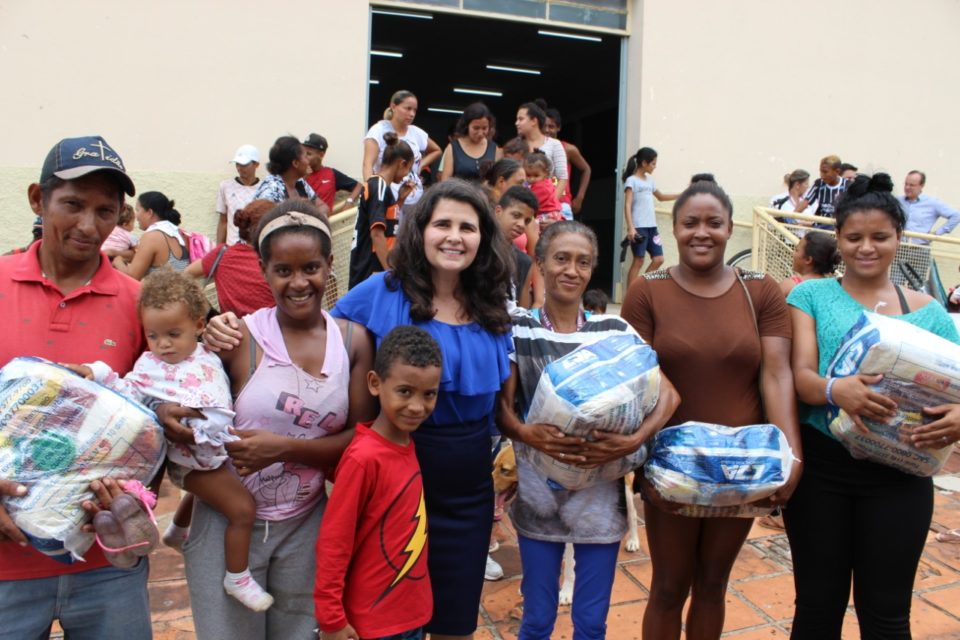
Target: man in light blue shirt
923,211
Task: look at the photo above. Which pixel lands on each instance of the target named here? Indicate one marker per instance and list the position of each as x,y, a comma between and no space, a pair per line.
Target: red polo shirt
98,321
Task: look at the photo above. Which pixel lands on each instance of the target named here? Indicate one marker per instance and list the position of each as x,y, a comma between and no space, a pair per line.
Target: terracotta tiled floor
759,601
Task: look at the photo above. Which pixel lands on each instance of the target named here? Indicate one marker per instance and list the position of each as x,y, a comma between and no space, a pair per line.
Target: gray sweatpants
283,564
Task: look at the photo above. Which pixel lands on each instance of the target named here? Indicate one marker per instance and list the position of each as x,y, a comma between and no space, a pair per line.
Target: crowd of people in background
493,269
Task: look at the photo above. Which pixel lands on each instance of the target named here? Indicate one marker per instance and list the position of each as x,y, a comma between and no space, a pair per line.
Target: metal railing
776,234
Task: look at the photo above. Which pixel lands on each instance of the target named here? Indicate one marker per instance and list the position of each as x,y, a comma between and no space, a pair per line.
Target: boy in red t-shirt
372,579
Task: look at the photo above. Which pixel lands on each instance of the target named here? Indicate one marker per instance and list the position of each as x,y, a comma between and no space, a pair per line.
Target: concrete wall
753,89
176,87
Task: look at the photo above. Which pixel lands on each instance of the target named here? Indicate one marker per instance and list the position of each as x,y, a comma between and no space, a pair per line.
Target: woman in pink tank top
298,377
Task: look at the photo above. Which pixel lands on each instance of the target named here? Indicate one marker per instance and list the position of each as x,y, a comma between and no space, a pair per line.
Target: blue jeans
594,569
100,604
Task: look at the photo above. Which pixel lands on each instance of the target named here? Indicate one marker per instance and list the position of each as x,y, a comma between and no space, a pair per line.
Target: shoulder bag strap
756,327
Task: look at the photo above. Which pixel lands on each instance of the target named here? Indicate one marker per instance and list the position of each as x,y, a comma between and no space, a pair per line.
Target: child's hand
347,633
79,369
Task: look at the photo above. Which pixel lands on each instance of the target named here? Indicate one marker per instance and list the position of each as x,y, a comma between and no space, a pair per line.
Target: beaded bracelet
829,392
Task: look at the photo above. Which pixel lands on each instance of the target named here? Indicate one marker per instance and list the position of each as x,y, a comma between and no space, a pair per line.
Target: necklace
545,321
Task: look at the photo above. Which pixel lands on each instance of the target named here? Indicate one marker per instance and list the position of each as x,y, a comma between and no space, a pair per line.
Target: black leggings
854,518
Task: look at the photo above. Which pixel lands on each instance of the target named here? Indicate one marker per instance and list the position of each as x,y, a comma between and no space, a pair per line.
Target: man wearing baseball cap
65,302
326,181
236,193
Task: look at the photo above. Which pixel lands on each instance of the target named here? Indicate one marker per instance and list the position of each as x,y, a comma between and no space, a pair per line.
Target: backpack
198,244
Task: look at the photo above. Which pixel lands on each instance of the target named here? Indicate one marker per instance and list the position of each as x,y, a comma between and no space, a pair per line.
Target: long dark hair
483,285
160,205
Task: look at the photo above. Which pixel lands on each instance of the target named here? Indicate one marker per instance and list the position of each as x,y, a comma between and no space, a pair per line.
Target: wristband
829,392
350,200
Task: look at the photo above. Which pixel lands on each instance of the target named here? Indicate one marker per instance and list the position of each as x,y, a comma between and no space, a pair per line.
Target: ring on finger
562,455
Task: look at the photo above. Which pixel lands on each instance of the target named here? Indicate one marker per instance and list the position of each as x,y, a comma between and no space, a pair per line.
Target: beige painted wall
176,87
755,88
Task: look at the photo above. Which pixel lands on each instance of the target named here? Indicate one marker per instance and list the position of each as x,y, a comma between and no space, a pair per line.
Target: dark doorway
580,78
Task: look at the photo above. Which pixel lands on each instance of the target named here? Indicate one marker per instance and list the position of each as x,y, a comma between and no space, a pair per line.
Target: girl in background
378,214
639,211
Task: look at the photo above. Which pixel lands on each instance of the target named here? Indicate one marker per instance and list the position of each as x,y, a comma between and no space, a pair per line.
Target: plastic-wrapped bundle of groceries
717,471
920,369
609,385
59,432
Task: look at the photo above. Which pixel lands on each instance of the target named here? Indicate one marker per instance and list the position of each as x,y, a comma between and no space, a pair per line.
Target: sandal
951,536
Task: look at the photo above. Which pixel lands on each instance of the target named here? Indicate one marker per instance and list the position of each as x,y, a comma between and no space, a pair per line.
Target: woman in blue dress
450,274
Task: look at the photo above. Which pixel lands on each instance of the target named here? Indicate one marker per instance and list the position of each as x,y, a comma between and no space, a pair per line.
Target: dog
505,483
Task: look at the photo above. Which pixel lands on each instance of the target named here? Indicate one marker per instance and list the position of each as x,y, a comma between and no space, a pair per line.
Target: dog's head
505,475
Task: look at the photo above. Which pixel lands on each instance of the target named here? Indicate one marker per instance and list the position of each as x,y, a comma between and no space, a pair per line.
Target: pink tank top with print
284,399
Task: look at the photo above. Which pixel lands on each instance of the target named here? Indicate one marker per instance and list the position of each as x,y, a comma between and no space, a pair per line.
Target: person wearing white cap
236,193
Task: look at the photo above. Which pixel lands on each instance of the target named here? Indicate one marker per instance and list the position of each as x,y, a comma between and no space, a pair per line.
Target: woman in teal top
855,517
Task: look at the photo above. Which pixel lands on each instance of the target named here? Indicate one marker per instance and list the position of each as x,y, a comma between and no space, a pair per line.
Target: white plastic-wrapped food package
717,471
608,385
59,432
920,369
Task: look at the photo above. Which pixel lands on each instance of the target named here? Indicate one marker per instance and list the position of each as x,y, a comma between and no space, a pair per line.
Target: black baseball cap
316,141
73,158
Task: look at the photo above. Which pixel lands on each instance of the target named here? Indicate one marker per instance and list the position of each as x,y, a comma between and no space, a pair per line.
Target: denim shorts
648,241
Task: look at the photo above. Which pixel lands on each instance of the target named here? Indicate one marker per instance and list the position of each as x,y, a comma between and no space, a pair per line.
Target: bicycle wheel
741,259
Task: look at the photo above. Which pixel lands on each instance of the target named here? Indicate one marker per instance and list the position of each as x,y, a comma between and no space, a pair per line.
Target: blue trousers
101,604
595,567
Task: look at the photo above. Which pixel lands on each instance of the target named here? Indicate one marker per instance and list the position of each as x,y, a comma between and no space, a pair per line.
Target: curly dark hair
165,287
248,218
410,345
483,285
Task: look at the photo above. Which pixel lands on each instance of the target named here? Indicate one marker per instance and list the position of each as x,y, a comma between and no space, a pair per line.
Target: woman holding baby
545,515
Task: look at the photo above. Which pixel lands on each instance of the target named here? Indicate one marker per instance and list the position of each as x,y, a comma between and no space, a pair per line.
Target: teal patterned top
835,312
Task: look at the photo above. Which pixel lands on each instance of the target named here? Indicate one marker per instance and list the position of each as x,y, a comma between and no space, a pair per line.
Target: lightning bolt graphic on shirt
416,544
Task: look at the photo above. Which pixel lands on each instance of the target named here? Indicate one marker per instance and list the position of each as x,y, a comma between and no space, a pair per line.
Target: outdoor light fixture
386,54
402,14
478,92
530,72
572,36
445,110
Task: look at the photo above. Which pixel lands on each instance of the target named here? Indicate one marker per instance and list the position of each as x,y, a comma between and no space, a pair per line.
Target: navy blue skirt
458,490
